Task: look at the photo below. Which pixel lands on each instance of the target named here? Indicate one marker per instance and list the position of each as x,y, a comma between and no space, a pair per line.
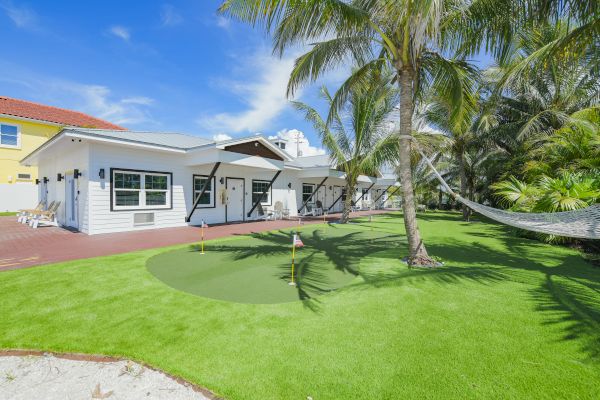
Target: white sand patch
52,378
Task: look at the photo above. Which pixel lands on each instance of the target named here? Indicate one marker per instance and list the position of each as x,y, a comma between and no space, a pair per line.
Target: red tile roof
27,109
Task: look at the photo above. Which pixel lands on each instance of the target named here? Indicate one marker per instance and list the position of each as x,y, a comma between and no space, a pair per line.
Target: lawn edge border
103,358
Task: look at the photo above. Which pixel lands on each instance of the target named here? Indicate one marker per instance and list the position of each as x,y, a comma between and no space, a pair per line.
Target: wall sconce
37,181
101,173
46,180
222,180
330,187
76,173
290,185
59,177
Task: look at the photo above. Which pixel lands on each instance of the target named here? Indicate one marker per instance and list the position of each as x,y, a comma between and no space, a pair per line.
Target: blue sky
154,65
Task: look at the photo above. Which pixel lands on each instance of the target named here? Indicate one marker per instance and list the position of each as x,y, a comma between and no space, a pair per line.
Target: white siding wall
73,155
103,220
280,191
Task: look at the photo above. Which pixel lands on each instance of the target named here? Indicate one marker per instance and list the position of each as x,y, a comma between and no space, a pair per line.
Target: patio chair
264,214
308,211
318,210
280,212
29,214
45,217
23,213
421,207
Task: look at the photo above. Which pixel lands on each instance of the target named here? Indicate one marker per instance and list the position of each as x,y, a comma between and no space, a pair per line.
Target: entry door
234,210
321,196
337,192
71,194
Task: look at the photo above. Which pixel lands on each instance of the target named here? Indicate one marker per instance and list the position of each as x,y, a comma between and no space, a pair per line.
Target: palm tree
402,35
529,108
358,139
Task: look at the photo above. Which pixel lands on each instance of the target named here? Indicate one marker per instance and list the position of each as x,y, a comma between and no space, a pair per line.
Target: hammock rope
583,223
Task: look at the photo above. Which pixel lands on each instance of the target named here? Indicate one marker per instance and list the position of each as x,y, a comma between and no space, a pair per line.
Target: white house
111,181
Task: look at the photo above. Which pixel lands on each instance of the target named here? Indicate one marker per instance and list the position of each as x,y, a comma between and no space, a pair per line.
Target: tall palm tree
402,35
358,139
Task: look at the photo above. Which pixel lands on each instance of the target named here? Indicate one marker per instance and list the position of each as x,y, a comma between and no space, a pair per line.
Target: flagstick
292,283
202,238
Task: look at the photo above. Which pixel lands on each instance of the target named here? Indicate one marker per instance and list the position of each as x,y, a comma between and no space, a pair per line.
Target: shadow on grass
564,287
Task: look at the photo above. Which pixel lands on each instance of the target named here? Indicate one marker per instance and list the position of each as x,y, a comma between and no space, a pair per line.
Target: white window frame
313,187
142,190
366,195
210,192
268,201
10,146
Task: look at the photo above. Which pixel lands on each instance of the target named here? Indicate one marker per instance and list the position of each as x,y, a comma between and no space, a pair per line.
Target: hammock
583,223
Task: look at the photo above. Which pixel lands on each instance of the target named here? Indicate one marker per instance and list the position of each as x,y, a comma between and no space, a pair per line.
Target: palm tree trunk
417,253
347,204
463,183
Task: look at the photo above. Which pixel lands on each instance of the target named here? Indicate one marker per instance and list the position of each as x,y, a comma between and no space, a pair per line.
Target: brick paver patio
22,246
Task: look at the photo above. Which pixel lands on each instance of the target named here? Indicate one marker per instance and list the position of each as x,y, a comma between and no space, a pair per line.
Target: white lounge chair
45,217
24,213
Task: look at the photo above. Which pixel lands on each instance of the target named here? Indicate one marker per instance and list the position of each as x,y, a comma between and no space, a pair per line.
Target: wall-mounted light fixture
46,180
290,185
222,180
76,173
330,187
59,177
101,173
37,181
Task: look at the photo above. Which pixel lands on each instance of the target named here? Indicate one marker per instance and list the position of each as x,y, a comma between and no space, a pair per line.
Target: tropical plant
568,191
358,139
402,35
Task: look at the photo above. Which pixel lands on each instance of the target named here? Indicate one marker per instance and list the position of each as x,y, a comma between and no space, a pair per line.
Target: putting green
256,269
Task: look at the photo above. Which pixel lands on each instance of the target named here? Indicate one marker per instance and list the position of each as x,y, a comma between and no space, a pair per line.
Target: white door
234,210
320,196
337,192
71,194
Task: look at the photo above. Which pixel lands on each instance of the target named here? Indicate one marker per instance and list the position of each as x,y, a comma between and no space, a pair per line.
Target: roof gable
253,148
55,115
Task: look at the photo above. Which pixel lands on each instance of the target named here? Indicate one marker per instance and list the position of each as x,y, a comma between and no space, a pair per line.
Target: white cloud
262,91
140,100
224,23
296,140
23,17
169,16
99,101
120,32
219,137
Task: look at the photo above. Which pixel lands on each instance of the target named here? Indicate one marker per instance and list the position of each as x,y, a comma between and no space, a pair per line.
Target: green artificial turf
7,214
504,318
258,269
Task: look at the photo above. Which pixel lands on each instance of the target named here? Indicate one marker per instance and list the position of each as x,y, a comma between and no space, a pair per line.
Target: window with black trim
208,198
258,187
307,190
134,190
365,194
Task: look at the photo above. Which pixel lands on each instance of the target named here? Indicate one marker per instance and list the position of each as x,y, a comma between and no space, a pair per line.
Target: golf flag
297,242
202,226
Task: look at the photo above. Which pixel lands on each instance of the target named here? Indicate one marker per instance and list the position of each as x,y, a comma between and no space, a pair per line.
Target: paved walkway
22,246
